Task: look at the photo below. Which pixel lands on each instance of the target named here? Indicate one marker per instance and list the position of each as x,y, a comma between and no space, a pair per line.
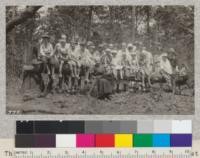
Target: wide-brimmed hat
107,50
45,36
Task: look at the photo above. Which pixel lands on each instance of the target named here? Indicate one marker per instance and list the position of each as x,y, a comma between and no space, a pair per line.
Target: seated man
46,53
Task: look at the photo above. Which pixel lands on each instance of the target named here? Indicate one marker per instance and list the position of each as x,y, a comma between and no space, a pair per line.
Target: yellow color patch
123,140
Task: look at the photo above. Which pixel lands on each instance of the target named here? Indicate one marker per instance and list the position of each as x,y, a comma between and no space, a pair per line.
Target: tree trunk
89,22
25,15
13,45
148,25
111,11
133,23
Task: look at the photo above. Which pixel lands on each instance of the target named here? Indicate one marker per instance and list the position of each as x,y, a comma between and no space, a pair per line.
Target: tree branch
25,15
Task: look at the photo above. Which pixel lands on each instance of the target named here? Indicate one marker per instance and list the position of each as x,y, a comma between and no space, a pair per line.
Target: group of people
122,61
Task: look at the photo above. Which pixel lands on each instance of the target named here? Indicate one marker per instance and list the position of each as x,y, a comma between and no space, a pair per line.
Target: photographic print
102,60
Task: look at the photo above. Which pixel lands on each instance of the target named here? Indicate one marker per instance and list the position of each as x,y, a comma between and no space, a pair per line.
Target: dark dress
103,84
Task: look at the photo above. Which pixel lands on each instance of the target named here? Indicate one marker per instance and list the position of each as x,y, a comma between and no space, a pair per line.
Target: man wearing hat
47,53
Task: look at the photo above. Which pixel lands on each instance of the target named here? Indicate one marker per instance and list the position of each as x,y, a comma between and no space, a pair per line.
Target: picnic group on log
105,67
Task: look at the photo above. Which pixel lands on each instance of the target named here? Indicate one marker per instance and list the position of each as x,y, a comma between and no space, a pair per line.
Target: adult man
47,54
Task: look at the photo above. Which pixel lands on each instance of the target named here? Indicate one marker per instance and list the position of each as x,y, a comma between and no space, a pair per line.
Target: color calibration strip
128,134
102,140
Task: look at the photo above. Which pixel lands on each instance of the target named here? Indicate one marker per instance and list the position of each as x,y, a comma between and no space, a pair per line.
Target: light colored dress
85,58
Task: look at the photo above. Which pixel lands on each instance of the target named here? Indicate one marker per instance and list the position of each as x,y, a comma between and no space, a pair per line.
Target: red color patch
105,140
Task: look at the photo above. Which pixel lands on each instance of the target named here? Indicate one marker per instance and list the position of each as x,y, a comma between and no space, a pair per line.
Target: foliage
172,26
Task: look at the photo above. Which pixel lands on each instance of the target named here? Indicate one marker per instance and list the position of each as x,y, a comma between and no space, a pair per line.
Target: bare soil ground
126,103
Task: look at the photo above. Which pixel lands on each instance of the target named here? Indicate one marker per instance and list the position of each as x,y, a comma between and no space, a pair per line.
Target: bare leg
87,74
60,68
48,69
121,73
70,83
71,69
53,71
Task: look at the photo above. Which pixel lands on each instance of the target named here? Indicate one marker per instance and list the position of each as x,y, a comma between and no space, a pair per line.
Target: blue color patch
161,140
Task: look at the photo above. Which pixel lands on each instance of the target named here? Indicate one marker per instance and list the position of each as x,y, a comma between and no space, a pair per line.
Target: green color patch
143,140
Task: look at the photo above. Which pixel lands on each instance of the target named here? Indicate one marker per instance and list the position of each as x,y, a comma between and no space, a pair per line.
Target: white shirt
166,66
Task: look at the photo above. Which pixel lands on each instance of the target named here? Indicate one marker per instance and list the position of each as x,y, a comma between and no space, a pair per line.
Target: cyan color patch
161,140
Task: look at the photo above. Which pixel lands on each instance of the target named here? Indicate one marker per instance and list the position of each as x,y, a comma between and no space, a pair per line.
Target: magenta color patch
85,140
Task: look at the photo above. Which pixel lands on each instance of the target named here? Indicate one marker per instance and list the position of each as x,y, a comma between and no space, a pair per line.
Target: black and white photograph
100,60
